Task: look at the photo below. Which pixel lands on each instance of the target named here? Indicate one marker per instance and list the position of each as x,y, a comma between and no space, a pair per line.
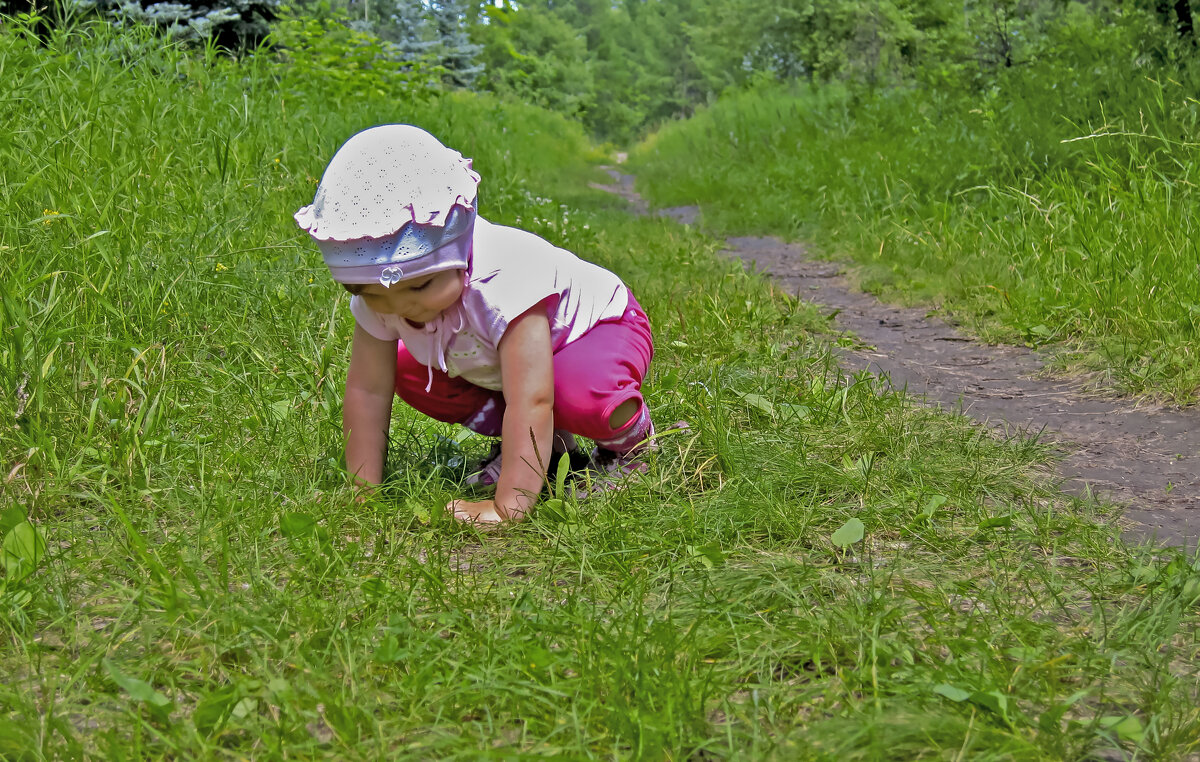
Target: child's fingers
481,512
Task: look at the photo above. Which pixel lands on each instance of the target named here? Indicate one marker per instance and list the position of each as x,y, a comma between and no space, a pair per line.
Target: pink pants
592,376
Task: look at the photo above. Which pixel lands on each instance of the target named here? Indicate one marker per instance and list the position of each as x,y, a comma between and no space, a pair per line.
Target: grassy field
1056,209
817,569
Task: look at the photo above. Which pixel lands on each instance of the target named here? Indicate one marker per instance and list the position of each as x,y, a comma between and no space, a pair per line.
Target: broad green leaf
1051,719
535,658
935,502
213,710
297,524
557,510
346,721
864,464
247,706
140,691
851,532
281,689
952,693
388,651
993,701
16,742
49,360
793,410
996,521
1024,653
758,402
280,409
10,517
1127,728
560,479
420,510
1143,574
559,517
1190,593
24,547
709,554
374,588
14,599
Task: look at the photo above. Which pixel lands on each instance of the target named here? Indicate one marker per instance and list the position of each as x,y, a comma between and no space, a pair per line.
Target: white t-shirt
511,271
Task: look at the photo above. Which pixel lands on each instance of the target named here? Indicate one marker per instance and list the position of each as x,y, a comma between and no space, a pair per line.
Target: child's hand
480,512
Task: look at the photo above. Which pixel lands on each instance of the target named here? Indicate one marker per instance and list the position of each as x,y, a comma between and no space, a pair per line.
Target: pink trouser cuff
635,431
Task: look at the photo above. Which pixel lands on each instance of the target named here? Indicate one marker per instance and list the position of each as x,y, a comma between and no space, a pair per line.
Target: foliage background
819,568
652,60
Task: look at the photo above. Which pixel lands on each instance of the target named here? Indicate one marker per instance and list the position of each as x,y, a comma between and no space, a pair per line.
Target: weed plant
1055,207
816,569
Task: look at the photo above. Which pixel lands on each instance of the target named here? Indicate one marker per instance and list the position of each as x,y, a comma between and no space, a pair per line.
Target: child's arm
527,377
367,408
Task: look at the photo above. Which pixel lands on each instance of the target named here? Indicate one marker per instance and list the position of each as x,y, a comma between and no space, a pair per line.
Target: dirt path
1144,457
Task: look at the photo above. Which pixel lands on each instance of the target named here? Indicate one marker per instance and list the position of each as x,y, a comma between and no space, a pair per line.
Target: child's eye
423,286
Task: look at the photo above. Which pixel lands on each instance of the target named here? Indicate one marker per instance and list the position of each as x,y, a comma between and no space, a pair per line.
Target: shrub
230,24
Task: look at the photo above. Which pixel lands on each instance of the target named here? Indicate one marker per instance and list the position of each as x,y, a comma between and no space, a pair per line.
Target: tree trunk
1183,13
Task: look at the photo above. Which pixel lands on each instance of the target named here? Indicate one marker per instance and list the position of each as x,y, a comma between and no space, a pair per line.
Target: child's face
418,300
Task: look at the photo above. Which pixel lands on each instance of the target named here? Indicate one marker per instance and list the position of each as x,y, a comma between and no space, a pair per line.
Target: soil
1141,456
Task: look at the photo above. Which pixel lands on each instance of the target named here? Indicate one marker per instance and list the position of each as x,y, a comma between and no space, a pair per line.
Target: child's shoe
488,472
610,471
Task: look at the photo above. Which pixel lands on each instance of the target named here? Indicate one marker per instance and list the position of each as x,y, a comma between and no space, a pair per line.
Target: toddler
474,323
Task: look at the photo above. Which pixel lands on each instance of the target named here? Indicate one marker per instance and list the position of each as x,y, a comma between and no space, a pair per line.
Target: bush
231,24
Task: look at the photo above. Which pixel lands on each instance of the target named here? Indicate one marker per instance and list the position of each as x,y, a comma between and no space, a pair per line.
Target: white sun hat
394,203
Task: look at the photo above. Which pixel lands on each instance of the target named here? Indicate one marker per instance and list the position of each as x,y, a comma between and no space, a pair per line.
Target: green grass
1055,209
172,360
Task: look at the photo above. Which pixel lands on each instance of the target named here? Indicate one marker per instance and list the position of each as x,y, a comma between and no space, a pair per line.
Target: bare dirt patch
1145,457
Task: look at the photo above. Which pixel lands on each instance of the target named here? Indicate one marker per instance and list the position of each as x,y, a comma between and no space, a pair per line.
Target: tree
403,23
453,47
536,56
1184,25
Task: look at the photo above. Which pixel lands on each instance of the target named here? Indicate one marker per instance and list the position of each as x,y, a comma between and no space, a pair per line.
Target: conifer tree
453,47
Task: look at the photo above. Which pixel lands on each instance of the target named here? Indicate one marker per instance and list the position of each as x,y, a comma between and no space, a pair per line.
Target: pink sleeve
370,321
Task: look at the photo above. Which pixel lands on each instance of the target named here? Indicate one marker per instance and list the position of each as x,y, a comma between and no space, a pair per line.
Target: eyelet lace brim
384,178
